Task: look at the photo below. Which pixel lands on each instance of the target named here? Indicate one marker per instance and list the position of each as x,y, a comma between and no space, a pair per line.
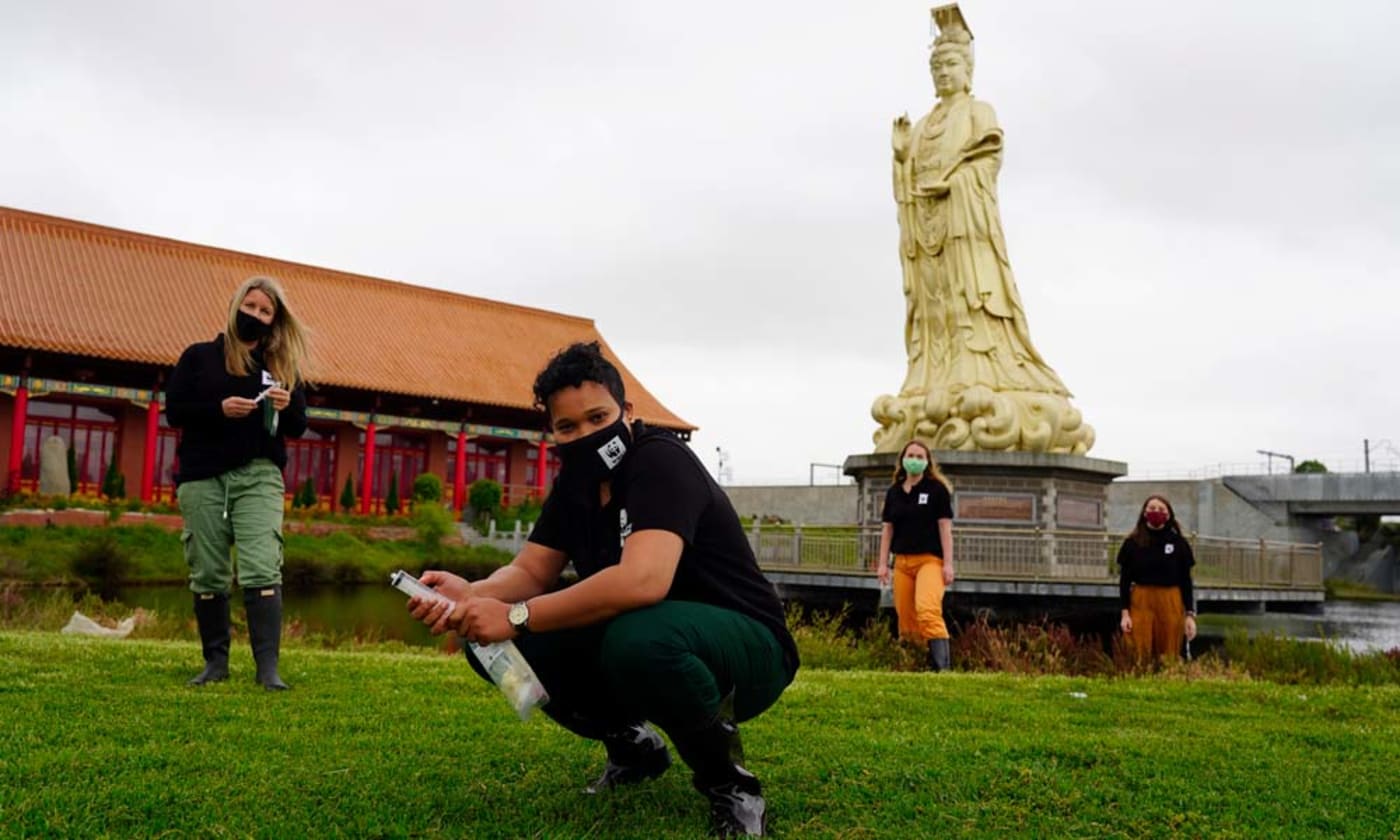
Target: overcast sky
1201,199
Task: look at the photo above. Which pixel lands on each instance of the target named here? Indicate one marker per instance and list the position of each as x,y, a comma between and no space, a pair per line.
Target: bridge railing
1035,554
1263,563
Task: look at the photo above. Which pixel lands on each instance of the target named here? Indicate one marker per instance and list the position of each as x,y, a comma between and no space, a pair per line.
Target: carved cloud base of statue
978,418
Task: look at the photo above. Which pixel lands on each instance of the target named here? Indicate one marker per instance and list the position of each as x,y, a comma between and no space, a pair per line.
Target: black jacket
210,443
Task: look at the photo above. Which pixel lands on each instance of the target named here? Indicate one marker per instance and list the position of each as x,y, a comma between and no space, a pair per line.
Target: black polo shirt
661,484
1163,559
915,516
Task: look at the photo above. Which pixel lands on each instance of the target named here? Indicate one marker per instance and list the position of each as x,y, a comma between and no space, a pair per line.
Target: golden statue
975,379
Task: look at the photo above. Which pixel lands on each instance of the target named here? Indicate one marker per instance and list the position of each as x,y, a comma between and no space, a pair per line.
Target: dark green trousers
670,663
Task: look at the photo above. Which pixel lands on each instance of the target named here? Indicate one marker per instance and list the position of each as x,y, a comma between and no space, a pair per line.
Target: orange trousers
1159,621
918,596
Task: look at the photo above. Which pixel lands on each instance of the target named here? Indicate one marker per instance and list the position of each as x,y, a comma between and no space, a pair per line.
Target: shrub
1042,648
306,496
427,488
114,483
391,499
72,468
484,496
101,562
347,496
433,522
526,512
1311,466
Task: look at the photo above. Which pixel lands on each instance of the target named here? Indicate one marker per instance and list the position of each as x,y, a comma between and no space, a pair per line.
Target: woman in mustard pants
918,528
1154,583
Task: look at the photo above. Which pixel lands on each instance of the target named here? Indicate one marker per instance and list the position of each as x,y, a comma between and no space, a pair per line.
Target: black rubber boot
938,656
264,605
635,754
716,757
211,614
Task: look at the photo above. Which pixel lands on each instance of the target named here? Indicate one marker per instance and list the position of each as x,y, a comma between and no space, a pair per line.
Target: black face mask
250,328
595,457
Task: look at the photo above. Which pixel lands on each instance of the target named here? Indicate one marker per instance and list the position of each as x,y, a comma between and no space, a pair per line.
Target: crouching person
670,623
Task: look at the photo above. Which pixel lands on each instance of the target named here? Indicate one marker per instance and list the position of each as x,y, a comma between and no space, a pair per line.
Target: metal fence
1035,554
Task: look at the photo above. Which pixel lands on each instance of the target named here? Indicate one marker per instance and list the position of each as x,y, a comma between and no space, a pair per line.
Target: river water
1362,626
377,613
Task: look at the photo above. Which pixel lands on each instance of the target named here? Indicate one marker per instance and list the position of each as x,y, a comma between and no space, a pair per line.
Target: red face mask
1155,518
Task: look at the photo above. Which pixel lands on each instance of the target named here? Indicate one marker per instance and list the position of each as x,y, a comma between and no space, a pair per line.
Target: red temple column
367,485
459,473
17,434
541,467
148,458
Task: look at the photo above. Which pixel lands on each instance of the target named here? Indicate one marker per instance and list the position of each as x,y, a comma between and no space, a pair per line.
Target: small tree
72,468
347,496
308,494
114,483
484,496
1311,466
427,488
391,500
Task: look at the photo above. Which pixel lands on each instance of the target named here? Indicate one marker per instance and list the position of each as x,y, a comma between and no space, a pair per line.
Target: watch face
519,614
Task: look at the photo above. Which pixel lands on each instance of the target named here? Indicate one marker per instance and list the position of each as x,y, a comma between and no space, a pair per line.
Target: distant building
406,380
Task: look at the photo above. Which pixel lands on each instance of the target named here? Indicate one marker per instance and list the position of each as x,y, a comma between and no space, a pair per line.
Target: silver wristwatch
519,617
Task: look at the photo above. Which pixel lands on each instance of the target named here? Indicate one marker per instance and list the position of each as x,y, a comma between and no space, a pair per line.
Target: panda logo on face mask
612,451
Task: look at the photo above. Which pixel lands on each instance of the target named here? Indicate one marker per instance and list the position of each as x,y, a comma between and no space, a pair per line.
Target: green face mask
915,466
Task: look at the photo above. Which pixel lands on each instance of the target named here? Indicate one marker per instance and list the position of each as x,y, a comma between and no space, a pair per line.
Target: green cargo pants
670,663
243,508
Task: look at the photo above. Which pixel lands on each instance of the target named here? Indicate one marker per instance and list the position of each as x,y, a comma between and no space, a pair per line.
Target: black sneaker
734,812
635,755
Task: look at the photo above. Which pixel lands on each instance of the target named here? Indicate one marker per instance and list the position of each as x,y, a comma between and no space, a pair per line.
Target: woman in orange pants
1154,583
918,528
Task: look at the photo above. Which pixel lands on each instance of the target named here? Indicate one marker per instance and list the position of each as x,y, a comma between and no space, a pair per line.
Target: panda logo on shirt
624,527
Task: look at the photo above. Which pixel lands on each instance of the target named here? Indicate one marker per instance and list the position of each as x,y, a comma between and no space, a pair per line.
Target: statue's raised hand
900,137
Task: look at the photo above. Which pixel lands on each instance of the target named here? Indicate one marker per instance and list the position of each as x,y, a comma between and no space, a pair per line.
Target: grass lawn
102,738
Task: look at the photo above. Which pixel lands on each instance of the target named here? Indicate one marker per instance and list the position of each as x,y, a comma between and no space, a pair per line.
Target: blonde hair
284,350
933,470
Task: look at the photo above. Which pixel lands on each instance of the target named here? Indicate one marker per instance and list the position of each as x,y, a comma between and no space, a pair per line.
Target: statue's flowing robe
964,322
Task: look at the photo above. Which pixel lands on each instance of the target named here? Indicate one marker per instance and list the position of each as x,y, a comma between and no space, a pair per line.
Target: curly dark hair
574,365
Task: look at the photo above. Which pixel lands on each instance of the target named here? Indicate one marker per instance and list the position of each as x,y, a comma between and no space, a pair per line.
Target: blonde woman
918,528
235,400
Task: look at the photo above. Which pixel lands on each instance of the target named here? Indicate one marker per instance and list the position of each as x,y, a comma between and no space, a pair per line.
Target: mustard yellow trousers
1159,622
918,597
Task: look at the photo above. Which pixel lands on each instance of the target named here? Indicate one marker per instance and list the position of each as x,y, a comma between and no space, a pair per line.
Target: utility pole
1366,452
1272,455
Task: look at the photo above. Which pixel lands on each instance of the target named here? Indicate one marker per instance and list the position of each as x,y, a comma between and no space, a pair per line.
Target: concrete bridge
1320,494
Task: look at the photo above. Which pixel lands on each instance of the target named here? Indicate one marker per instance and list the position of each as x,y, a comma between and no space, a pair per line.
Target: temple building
405,380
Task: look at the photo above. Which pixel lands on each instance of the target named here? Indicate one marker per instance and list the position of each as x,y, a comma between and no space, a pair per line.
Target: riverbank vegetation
107,557
103,738
828,641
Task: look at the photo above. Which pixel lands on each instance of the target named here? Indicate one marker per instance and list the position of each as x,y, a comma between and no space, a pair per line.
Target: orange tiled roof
72,287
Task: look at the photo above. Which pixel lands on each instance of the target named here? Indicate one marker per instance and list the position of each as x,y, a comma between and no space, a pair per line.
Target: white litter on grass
1078,695
85,626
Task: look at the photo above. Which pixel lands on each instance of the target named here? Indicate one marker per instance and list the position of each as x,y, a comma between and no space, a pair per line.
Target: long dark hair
1141,534
933,470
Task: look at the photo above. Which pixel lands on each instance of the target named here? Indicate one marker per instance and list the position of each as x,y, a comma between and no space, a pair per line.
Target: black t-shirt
1166,560
915,516
661,485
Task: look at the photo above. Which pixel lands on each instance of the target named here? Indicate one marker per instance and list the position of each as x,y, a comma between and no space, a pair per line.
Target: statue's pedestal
1034,491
